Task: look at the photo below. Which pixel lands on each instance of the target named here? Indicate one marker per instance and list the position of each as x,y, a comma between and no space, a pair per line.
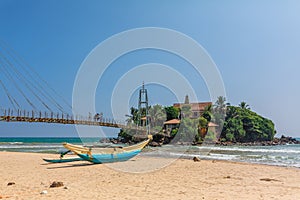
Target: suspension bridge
26,116
19,82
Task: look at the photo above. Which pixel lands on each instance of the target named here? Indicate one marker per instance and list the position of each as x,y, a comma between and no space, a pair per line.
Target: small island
196,123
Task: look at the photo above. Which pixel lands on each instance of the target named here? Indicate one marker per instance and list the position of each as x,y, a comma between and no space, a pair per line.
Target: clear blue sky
255,45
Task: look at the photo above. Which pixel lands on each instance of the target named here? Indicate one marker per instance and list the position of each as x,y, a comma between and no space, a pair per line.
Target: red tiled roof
177,121
210,124
172,121
194,106
143,118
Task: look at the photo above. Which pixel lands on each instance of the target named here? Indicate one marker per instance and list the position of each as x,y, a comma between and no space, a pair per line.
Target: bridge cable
25,83
11,99
23,65
8,76
40,89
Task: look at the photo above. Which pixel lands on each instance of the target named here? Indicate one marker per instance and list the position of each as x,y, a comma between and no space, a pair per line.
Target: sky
254,44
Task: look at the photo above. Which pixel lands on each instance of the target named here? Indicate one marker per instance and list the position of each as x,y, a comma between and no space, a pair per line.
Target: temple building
196,108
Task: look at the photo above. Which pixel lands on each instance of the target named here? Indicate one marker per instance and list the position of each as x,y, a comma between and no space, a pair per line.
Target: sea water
280,155
41,144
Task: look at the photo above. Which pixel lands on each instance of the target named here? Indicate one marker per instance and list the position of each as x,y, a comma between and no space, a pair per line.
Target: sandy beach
183,179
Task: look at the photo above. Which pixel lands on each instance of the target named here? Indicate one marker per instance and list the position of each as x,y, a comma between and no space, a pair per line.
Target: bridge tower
143,108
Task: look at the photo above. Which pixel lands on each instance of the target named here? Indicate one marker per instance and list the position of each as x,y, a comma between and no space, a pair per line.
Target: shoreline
276,155
184,157
180,179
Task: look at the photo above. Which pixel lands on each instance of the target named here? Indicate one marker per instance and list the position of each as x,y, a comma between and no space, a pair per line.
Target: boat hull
109,158
107,155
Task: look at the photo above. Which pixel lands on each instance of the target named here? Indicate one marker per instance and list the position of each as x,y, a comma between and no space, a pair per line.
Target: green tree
219,112
185,111
133,117
187,130
244,105
220,105
202,128
126,135
244,125
207,113
171,112
157,115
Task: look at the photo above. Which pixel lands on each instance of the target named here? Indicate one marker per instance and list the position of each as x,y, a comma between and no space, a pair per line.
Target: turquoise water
46,139
41,144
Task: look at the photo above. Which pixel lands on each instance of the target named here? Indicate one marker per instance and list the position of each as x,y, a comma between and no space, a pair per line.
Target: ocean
281,155
41,144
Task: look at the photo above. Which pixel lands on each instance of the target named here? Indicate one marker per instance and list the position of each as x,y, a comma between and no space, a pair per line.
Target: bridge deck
104,122
107,123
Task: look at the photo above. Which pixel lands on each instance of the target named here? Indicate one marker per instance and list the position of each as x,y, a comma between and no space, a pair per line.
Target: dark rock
57,184
167,140
196,159
104,140
154,144
276,141
114,141
11,183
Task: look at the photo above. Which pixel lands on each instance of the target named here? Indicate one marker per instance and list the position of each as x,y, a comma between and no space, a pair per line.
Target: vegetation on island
232,124
243,125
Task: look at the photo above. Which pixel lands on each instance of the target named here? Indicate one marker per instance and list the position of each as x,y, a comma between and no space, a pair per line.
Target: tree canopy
243,125
235,123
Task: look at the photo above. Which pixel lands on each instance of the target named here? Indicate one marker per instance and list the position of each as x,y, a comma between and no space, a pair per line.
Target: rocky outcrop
161,139
283,140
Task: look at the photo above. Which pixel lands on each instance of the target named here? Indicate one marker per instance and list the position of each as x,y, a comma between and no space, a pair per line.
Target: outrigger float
101,155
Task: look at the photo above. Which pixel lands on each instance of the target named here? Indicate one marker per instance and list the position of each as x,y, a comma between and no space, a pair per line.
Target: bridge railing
10,115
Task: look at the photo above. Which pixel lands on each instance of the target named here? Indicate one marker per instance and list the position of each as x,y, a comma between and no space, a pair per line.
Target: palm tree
232,112
207,113
157,115
220,108
185,111
133,117
221,104
244,105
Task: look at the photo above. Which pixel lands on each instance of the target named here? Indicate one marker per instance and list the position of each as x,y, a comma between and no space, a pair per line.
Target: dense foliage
243,125
171,112
240,124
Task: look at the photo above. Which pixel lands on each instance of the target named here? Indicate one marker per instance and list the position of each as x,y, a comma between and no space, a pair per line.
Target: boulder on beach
196,159
154,144
56,184
11,183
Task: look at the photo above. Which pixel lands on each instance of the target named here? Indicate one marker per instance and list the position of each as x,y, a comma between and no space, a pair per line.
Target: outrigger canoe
102,155
63,160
